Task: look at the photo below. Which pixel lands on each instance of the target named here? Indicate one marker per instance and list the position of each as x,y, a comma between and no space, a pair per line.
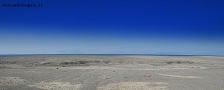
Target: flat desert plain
52,72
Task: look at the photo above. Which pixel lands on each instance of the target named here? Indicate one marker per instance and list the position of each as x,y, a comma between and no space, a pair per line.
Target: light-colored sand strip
8,81
56,85
134,86
179,76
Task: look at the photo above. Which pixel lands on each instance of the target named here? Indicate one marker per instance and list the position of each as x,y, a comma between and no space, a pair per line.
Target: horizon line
111,54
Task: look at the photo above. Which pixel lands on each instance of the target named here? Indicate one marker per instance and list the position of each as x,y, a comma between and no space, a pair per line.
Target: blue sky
113,26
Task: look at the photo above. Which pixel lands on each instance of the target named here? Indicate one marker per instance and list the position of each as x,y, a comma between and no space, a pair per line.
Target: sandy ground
111,73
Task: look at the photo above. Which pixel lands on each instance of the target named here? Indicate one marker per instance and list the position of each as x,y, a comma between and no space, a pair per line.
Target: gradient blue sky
193,27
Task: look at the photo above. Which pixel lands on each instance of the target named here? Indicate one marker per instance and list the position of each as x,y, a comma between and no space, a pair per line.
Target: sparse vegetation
82,62
9,62
106,61
179,62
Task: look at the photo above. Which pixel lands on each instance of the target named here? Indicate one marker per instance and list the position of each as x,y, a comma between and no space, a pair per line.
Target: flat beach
68,72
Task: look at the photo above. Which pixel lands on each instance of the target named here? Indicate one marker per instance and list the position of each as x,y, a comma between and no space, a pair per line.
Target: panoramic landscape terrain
111,44
131,72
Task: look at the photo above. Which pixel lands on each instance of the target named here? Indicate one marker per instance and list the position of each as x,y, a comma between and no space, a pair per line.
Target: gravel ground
111,73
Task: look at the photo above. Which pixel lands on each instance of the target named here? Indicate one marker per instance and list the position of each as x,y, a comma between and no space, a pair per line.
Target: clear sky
193,27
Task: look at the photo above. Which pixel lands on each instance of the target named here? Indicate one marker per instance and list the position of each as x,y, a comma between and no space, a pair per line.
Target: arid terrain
69,72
